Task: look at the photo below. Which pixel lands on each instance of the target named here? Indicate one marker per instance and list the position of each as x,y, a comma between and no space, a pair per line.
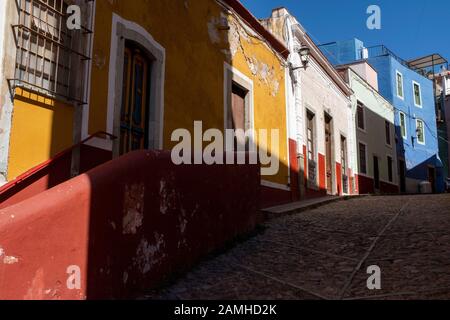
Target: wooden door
236,116
432,178
344,164
328,156
311,181
134,118
402,174
238,108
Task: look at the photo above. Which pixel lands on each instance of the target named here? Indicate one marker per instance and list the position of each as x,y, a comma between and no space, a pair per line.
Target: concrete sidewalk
301,206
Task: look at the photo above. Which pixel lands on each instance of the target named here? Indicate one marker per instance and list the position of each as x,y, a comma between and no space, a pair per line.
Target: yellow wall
192,89
196,50
259,63
40,129
194,66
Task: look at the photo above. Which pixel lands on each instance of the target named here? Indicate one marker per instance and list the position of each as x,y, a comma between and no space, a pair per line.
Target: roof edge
254,23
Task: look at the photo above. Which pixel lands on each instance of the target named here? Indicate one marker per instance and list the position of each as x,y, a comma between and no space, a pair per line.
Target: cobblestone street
324,254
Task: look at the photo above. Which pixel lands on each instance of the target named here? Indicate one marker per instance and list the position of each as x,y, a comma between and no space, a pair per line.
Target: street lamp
304,53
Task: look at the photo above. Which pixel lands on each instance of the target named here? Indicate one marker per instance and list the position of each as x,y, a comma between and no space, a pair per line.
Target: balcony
380,50
426,66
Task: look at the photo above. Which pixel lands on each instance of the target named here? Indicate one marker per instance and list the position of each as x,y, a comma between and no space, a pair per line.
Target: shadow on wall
50,174
433,170
52,131
128,225
381,146
430,170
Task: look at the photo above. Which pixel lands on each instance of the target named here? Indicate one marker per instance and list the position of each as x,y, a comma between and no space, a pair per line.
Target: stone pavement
324,254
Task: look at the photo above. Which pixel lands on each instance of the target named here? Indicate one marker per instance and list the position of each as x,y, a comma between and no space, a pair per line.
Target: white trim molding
230,75
423,132
274,185
128,30
405,137
396,85
414,84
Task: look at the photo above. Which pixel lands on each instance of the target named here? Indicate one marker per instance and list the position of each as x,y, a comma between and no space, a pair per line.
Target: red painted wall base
366,185
128,225
271,197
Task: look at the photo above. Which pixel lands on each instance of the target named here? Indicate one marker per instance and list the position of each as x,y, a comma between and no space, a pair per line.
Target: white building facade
319,115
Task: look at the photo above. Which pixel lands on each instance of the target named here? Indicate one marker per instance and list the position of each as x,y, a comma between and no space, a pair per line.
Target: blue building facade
412,96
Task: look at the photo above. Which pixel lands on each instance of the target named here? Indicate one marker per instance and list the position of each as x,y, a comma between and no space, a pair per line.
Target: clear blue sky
410,28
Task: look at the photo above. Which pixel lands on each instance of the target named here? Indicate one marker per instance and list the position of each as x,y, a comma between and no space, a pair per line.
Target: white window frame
406,127
403,85
447,85
366,157
423,128
414,83
121,31
231,74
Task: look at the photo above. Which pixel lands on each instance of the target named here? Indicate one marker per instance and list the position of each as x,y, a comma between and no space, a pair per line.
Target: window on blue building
420,131
403,125
400,85
417,94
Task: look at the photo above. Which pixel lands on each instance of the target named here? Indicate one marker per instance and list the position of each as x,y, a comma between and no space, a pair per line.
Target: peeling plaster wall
254,58
194,69
109,223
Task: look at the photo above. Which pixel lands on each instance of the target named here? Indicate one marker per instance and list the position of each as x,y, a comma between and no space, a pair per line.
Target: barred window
50,58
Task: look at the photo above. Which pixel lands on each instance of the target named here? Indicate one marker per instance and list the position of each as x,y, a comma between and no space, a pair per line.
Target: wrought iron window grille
51,60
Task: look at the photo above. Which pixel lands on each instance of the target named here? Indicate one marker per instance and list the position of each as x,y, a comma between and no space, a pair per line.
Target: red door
328,148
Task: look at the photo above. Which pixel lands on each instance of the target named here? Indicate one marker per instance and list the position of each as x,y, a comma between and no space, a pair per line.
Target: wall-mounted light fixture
304,53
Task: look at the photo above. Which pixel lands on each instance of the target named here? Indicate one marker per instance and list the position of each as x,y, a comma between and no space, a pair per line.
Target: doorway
237,116
432,178
376,173
344,165
402,174
134,115
328,151
311,151
136,91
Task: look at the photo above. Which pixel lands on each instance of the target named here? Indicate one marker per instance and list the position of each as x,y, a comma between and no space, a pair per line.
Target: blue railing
380,50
